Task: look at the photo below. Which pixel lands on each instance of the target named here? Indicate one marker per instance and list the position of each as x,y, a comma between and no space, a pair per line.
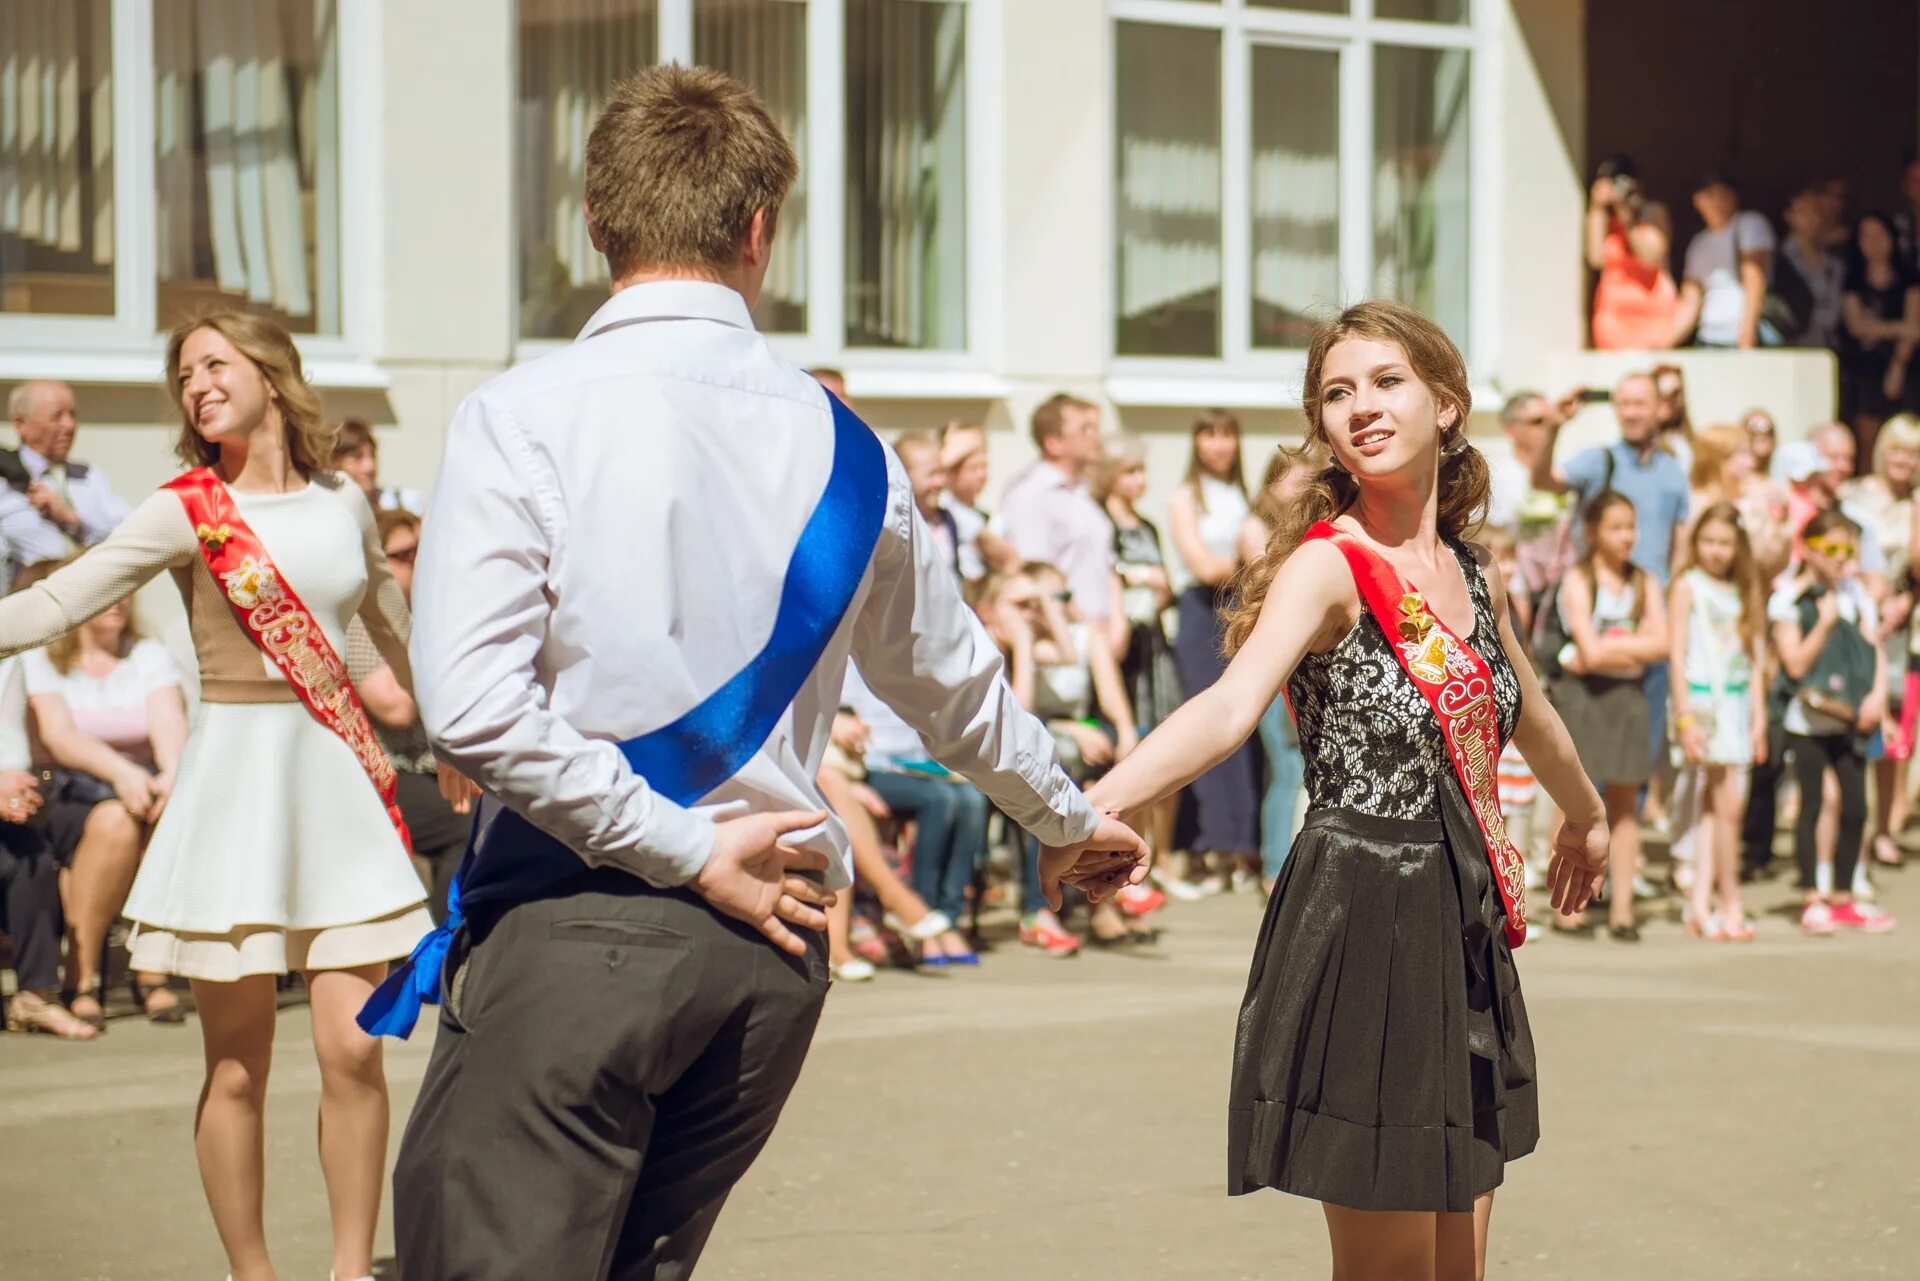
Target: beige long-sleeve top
158,536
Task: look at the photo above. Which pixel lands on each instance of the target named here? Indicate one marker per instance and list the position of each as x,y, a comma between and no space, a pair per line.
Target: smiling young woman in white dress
276,850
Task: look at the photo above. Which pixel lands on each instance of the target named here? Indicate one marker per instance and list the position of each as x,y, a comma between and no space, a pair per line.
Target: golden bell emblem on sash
1423,644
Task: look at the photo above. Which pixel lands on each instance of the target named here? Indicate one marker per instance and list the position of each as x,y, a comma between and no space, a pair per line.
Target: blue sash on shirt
513,860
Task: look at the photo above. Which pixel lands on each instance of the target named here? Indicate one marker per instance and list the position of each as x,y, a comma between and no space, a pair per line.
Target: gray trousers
610,1060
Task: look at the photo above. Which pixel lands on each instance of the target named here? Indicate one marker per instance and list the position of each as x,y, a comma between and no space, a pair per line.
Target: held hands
138,791
1114,856
1579,865
754,878
19,796
50,505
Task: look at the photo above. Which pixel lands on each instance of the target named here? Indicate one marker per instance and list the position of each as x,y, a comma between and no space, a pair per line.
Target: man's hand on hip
754,878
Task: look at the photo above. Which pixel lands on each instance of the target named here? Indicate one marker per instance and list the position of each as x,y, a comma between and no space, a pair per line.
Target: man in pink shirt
1048,513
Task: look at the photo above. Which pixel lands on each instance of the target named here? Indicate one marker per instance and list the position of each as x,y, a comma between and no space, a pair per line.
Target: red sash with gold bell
1458,685
273,615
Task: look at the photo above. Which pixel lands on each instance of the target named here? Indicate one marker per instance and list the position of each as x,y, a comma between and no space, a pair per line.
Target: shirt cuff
673,847
1069,817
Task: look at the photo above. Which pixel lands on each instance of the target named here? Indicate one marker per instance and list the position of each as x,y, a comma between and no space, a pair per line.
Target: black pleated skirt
1383,1059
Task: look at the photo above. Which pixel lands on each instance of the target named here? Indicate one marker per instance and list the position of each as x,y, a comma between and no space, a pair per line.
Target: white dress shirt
31,537
606,546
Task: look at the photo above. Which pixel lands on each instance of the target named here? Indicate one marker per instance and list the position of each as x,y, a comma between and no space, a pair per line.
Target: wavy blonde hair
1463,472
270,348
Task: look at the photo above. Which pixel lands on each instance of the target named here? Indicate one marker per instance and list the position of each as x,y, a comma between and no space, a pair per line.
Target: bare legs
353,1112
1717,848
93,891
1390,1245
1623,856
237,1025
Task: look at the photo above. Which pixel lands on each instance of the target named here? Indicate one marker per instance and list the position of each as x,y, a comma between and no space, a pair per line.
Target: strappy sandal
172,1012
31,1012
96,993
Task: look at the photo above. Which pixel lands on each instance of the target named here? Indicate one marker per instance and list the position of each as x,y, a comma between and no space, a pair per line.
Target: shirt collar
673,300
36,464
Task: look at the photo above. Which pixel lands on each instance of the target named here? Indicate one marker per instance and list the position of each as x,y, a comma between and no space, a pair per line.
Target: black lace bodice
1370,740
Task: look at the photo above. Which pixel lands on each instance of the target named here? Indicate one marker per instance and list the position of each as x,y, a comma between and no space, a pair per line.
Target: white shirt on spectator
968,524
31,538
606,547
1218,517
1856,607
113,708
1711,263
1052,519
1510,482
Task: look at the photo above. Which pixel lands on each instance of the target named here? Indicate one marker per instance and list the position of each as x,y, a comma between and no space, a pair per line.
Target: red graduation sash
1458,685
276,620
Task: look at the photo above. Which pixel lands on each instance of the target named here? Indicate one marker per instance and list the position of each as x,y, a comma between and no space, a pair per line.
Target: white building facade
1146,202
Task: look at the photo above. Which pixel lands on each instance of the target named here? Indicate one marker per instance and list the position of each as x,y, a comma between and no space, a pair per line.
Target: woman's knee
238,1075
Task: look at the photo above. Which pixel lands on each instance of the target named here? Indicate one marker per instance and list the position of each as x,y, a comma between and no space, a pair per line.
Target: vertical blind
56,156
247,158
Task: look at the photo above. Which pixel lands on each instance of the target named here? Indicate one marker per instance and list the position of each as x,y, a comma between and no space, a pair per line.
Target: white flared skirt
274,853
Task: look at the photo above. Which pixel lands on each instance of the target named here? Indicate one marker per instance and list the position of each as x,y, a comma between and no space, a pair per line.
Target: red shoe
1864,917
1044,931
1140,900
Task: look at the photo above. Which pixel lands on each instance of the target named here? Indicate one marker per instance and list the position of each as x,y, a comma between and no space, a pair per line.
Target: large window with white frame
162,156
1278,158
872,250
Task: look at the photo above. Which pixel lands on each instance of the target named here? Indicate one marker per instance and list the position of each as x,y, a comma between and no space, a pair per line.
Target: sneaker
1140,900
1817,918
1862,888
856,970
1185,891
1864,917
1043,930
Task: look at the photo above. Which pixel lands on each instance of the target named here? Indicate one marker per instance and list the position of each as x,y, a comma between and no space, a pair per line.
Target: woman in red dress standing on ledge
1384,1065
276,850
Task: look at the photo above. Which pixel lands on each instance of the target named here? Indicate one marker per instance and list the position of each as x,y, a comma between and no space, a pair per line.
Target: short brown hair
270,347
353,436
1051,418
677,164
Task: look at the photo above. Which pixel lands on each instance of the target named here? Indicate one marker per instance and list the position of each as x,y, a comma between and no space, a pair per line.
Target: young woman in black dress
1383,1063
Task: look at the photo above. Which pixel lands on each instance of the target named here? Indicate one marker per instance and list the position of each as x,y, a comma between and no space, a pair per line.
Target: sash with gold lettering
272,614
1458,685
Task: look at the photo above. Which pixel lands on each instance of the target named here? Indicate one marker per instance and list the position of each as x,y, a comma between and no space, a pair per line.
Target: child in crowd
1616,622
1821,622
1719,711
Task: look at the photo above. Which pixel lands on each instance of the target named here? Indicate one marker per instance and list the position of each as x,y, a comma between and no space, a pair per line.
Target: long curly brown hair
1463,471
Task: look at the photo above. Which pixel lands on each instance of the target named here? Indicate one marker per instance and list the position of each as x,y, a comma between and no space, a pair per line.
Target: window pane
1310,6
571,53
1423,10
764,43
1420,182
1296,192
1168,88
56,158
906,245
247,159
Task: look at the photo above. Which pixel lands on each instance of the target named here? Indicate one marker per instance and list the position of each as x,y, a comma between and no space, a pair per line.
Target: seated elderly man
52,504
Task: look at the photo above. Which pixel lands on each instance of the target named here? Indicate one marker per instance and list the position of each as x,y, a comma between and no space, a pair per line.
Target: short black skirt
1383,1060
1610,724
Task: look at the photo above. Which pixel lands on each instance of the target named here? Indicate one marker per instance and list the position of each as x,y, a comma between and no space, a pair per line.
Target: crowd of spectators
1714,614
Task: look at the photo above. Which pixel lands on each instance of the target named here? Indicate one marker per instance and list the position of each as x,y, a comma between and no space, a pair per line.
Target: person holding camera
1634,299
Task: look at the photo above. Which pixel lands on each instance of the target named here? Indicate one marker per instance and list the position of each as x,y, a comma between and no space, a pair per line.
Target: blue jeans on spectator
951,818
1031,899
1285,768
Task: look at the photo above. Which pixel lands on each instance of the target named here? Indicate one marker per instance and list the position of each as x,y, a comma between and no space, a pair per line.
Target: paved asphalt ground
1709,1112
